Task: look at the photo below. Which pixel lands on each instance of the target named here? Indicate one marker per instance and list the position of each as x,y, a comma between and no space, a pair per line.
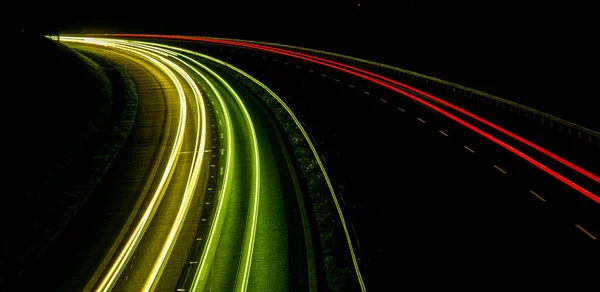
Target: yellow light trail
117,267
250,236
306,137
192,181
193,177
207,257
151,281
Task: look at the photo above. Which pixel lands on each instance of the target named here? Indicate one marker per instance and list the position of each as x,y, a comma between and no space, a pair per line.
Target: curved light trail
157,53
308,140
445,103
192,181
250,234
117,267
375,79
201,274
250,237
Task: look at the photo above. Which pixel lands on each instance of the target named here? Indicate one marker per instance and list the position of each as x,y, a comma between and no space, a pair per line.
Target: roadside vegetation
77,113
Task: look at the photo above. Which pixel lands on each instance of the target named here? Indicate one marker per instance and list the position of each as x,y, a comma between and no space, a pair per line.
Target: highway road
145,189
425,192
262,201
428,190
165,217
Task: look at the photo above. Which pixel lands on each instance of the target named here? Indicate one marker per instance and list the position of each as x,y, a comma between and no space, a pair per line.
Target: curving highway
205,196
456,184
214,204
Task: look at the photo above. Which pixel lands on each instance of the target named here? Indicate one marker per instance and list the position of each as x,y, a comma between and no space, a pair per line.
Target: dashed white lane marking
323,75
586,232
336,80
538,196
500,169
421,120
310,71
366,92
401,109
298,67
470,150
442,132
383,100
350,85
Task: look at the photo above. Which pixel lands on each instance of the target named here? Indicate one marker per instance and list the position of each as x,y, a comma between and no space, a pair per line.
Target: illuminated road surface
429,100
227,266
226,263
138,256
547,165
247,248
97,234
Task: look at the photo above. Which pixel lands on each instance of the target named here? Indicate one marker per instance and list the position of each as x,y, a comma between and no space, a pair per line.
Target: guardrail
570,126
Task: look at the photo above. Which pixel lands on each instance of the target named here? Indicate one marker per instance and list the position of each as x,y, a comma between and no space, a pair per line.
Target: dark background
541,55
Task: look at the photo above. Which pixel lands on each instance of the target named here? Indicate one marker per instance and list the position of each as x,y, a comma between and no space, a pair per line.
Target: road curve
120,192
451,186
277,223
141,227
152,170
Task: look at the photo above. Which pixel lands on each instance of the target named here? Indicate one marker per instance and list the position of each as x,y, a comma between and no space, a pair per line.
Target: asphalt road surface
427,197
262,243
84,249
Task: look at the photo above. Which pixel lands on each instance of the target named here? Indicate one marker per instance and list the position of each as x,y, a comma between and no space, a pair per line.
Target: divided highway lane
140,259
278,261
450,194
144,241
125,190
256,241
263,205
441,106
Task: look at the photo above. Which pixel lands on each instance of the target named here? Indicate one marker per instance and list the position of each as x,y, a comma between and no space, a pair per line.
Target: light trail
190,189
192,180
307,138
375,78
121,261
250,234
454,107
200,277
